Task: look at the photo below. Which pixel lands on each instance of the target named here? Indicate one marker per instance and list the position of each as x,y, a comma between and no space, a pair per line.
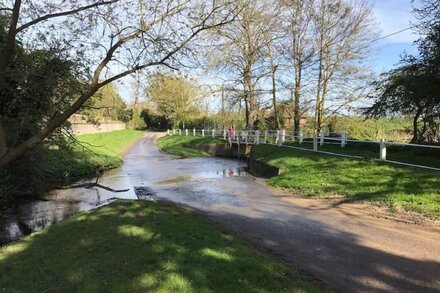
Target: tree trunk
3,145
416,137
274,97
12,154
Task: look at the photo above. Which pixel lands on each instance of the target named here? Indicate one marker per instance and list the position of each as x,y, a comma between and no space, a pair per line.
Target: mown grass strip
137,246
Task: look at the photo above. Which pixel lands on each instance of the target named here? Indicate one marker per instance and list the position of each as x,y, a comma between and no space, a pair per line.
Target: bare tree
343,34
124,37
243,50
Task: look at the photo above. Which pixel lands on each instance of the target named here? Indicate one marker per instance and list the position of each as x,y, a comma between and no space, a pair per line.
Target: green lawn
183,145
322,175
138,246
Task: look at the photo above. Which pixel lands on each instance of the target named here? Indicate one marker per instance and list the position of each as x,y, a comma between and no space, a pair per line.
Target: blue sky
393,16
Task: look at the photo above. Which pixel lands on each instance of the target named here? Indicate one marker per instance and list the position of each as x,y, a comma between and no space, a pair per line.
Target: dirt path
346,247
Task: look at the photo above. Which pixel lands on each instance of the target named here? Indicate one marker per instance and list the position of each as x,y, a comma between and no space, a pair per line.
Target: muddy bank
255,167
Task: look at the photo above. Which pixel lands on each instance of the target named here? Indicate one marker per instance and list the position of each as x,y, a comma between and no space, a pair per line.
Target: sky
393,16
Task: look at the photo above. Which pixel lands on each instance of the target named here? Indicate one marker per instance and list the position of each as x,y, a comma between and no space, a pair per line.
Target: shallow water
144,167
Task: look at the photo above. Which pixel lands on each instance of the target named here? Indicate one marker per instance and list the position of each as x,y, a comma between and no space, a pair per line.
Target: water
146,172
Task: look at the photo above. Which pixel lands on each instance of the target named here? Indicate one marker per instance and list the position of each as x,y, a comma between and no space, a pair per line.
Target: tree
413,89
175,97
243,50
115,38
343,34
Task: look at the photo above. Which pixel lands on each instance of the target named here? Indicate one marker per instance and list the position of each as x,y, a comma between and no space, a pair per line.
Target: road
344,246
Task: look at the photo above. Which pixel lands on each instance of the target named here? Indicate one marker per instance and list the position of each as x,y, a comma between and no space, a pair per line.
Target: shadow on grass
318,174
138,247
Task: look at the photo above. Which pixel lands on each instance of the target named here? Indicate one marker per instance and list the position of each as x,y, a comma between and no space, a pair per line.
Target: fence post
257,137
343,139
315,142
301,137
321,138
277,137
203,132
186,132
280,138
383,150
283,136
213,133
224,134
265,136
180,131
168,131
194,132
174,132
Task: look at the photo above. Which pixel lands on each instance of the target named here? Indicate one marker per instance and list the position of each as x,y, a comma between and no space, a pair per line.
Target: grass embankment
184,145
138,246
99,152
321,175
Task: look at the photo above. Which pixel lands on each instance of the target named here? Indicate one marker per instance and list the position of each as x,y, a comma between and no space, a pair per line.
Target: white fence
338,144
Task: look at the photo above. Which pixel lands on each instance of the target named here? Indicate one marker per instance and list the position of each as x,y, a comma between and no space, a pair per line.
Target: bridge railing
337,144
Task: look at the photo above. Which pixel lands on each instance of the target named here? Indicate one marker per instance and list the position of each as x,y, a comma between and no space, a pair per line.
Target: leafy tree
413,89
175,97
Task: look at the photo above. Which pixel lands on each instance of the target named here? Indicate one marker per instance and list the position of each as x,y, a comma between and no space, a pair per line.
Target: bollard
213,133
168,131
174,132
321,138
343,139
194,132
277,136
301,137
383,150
280,138
257,137
315,142
180,131
203,132
283,136
265,136
186,132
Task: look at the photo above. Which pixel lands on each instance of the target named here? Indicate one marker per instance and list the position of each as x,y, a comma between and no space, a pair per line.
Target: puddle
178,179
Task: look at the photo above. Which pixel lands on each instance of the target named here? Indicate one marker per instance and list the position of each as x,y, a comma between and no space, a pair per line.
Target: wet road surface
342,246
349,250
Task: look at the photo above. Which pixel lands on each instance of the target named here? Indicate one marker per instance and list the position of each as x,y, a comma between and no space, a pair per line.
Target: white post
301,137
280,138
180,131
257,137
186,132
283,136
343,139
194,132
174,132
321,138
383,150
213,133
315,142
224,134
277,136
265,136
168,131
203,132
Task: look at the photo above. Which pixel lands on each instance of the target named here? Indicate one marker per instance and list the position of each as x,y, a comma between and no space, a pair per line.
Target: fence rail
337,144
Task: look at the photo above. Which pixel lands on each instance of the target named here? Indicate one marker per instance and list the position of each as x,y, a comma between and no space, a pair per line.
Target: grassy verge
322,175
99,152
140,247
184,145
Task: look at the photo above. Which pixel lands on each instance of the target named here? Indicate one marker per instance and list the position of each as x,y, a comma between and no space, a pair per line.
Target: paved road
341,245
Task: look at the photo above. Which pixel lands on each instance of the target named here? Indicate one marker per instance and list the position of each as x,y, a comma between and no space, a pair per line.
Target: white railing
328,143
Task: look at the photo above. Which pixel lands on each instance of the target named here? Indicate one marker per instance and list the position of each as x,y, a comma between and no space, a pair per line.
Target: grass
321,175
138,246
46,168
184,145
